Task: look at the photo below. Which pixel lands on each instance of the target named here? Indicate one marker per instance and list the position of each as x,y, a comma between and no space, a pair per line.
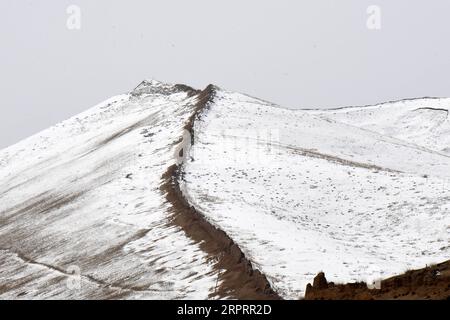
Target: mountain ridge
102,190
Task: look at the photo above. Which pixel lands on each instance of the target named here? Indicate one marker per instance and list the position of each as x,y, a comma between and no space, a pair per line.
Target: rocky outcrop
432,282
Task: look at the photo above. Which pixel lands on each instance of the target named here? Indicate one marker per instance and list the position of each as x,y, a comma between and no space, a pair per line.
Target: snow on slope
83,196
425,121
301,193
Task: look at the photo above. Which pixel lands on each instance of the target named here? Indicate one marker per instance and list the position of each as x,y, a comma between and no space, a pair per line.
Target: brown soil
237,278
432,282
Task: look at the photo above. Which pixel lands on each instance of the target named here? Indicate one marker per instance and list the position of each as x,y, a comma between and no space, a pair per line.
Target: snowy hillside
81,211
302,194
424,121
88,207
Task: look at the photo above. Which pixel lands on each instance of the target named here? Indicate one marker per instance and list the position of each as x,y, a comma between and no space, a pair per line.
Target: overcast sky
296,53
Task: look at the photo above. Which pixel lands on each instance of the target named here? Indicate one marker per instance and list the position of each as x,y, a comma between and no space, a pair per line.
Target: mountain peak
152,86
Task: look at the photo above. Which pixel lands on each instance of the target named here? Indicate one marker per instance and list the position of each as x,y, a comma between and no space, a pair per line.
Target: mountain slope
425,121
301,194
170,192
81,210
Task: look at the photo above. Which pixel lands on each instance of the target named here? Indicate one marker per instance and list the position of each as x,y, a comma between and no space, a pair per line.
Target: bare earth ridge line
238,278
379,104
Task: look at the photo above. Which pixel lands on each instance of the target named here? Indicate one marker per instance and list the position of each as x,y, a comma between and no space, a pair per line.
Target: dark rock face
320,282
432,282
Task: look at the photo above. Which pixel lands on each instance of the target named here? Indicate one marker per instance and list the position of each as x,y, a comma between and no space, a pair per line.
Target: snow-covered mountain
301,193
83,198
359,193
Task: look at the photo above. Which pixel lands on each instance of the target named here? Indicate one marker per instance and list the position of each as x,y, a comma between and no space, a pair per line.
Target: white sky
296,53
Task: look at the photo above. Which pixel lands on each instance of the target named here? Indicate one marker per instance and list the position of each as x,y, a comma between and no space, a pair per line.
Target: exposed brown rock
431,282
237,278
320,282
